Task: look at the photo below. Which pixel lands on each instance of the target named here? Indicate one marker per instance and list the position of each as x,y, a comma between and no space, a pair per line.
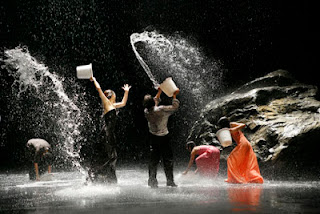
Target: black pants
104,158
160,149
43,161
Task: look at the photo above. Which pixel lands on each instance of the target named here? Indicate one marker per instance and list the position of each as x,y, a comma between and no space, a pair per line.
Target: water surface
67,193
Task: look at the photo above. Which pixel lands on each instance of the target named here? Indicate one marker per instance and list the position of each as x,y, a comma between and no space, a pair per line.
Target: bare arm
126,89
236,126
157,97
175,103
192,157
103,97
97,85
176,93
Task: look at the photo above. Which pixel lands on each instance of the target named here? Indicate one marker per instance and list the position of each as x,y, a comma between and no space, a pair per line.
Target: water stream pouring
171,55
84,71
52,108
163,56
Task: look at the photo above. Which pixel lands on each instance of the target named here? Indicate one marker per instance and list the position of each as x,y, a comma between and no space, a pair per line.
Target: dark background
250,38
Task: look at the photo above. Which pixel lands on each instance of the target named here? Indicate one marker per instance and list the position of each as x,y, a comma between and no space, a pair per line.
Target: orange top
242,162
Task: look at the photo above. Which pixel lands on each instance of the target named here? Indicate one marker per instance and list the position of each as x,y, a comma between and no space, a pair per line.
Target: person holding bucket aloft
159,138
242,162
103,165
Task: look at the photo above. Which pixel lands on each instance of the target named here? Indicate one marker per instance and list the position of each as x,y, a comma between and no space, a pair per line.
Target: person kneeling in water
208,159
40,158
103,163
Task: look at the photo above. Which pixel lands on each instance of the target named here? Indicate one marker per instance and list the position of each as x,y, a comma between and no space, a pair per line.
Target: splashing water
176,57
33,80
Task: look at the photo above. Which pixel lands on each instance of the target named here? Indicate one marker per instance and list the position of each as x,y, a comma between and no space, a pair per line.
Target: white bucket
84,71
224,137
168,87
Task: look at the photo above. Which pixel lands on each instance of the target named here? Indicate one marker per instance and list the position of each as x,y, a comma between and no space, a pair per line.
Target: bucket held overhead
84,71
168,87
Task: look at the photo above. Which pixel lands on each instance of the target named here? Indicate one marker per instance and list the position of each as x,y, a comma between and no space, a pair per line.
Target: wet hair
109,93
224,122
190,145
148,101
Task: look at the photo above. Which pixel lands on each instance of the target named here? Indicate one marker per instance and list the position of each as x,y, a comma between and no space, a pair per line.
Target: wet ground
68,194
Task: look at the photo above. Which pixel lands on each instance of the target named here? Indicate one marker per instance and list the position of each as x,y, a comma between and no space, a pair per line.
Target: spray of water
35,81
175,56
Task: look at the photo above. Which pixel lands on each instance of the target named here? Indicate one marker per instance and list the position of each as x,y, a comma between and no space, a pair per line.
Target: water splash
34,81
176,57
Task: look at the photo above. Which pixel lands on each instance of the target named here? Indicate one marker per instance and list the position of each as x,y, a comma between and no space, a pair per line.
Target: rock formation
283,125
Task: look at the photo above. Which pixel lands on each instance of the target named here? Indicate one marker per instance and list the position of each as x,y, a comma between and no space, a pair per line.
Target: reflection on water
67,193
245,197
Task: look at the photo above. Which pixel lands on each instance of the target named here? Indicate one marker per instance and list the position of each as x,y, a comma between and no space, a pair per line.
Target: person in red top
208,159
242,162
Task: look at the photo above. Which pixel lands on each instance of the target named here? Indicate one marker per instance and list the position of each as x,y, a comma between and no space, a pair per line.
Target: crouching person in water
40,158
157,117
104,154
208,159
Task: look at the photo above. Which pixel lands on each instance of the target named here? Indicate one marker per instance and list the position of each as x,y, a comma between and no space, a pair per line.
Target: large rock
283,125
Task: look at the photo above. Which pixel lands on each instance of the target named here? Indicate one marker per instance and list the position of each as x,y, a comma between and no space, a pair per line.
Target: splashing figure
104,157
159,138
173,56
51,111
41,158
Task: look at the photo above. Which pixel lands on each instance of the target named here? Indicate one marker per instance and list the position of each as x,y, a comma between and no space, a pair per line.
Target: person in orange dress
242,162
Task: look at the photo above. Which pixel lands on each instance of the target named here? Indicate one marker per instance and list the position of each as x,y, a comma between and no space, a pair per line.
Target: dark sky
251,38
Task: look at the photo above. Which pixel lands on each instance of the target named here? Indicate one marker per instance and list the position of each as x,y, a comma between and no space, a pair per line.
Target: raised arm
107,105
175,103
192,157
176,93
126,89
236,126
97,85
157,97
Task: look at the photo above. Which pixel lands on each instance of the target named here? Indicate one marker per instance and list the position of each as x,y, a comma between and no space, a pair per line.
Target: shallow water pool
67,193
